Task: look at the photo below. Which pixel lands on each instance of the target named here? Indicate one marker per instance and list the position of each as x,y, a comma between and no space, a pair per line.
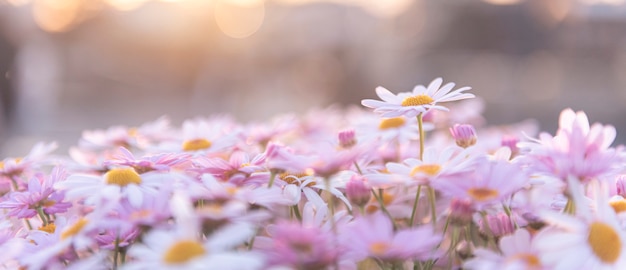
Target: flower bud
347,138
461,212
465,135
510,141
620,184
358,191
499,224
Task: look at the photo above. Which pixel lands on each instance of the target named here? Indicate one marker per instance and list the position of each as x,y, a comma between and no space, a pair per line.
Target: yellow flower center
428,169
529,259
74,229
196,144
387,200
291,178
122,177
389,123
183,251
618,206
604,242
482,194
379,248
50,228
417,100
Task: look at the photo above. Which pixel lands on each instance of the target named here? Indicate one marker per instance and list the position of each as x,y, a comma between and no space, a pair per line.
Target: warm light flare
239,21
126,5
56,15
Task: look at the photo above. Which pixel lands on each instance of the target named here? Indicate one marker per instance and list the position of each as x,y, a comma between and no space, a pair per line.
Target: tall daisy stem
415,204
433,208
420,126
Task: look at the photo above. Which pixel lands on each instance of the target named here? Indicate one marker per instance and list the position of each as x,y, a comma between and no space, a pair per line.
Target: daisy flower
591,240
298,246
40,196
451,160
183,247
517,253
374,236
117,183
420,100
490,182
577,149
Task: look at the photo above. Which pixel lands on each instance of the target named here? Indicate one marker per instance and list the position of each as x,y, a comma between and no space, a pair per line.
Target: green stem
415,204
433,209
42,216
420,125
490,235
570,207
382,206
358,168
116,252
272,177
296,211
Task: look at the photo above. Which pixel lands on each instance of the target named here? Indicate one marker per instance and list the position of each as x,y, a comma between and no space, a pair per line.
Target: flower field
412,180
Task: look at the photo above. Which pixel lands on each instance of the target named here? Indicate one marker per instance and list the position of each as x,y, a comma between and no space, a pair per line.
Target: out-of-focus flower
490,182
577,149
298,247
39,196
420,100
374,236
517,253
464,135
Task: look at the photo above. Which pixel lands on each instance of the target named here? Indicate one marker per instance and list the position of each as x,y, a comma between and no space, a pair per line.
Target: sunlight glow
239,18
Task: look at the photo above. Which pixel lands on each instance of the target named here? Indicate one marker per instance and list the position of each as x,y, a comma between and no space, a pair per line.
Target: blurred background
71,65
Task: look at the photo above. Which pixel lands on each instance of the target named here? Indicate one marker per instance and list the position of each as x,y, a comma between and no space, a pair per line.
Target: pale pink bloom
420,100
451,160
491,182
12,169
464,135
593,239
147,163
111,138
263,133
577,149
114,185
371,127
500,224
374,236
182,247
39,194
297,246
518,253
238,169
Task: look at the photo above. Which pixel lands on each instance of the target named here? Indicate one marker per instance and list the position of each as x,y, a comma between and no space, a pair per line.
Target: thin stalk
296,211
116,252
420,126
382,206
433,209
490,235
272,178
415,204
42,216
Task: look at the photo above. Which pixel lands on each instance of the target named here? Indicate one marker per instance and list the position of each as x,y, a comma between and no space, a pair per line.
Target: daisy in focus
592,239
420,100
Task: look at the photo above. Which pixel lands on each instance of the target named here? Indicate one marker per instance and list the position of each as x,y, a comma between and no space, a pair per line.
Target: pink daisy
577,149
374,236
490,182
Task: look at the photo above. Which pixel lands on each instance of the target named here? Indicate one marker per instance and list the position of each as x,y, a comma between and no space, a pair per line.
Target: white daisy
517,254
420,100
593,240
116,184
183,247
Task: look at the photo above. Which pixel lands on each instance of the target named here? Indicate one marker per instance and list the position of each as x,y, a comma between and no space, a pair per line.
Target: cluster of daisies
412,184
